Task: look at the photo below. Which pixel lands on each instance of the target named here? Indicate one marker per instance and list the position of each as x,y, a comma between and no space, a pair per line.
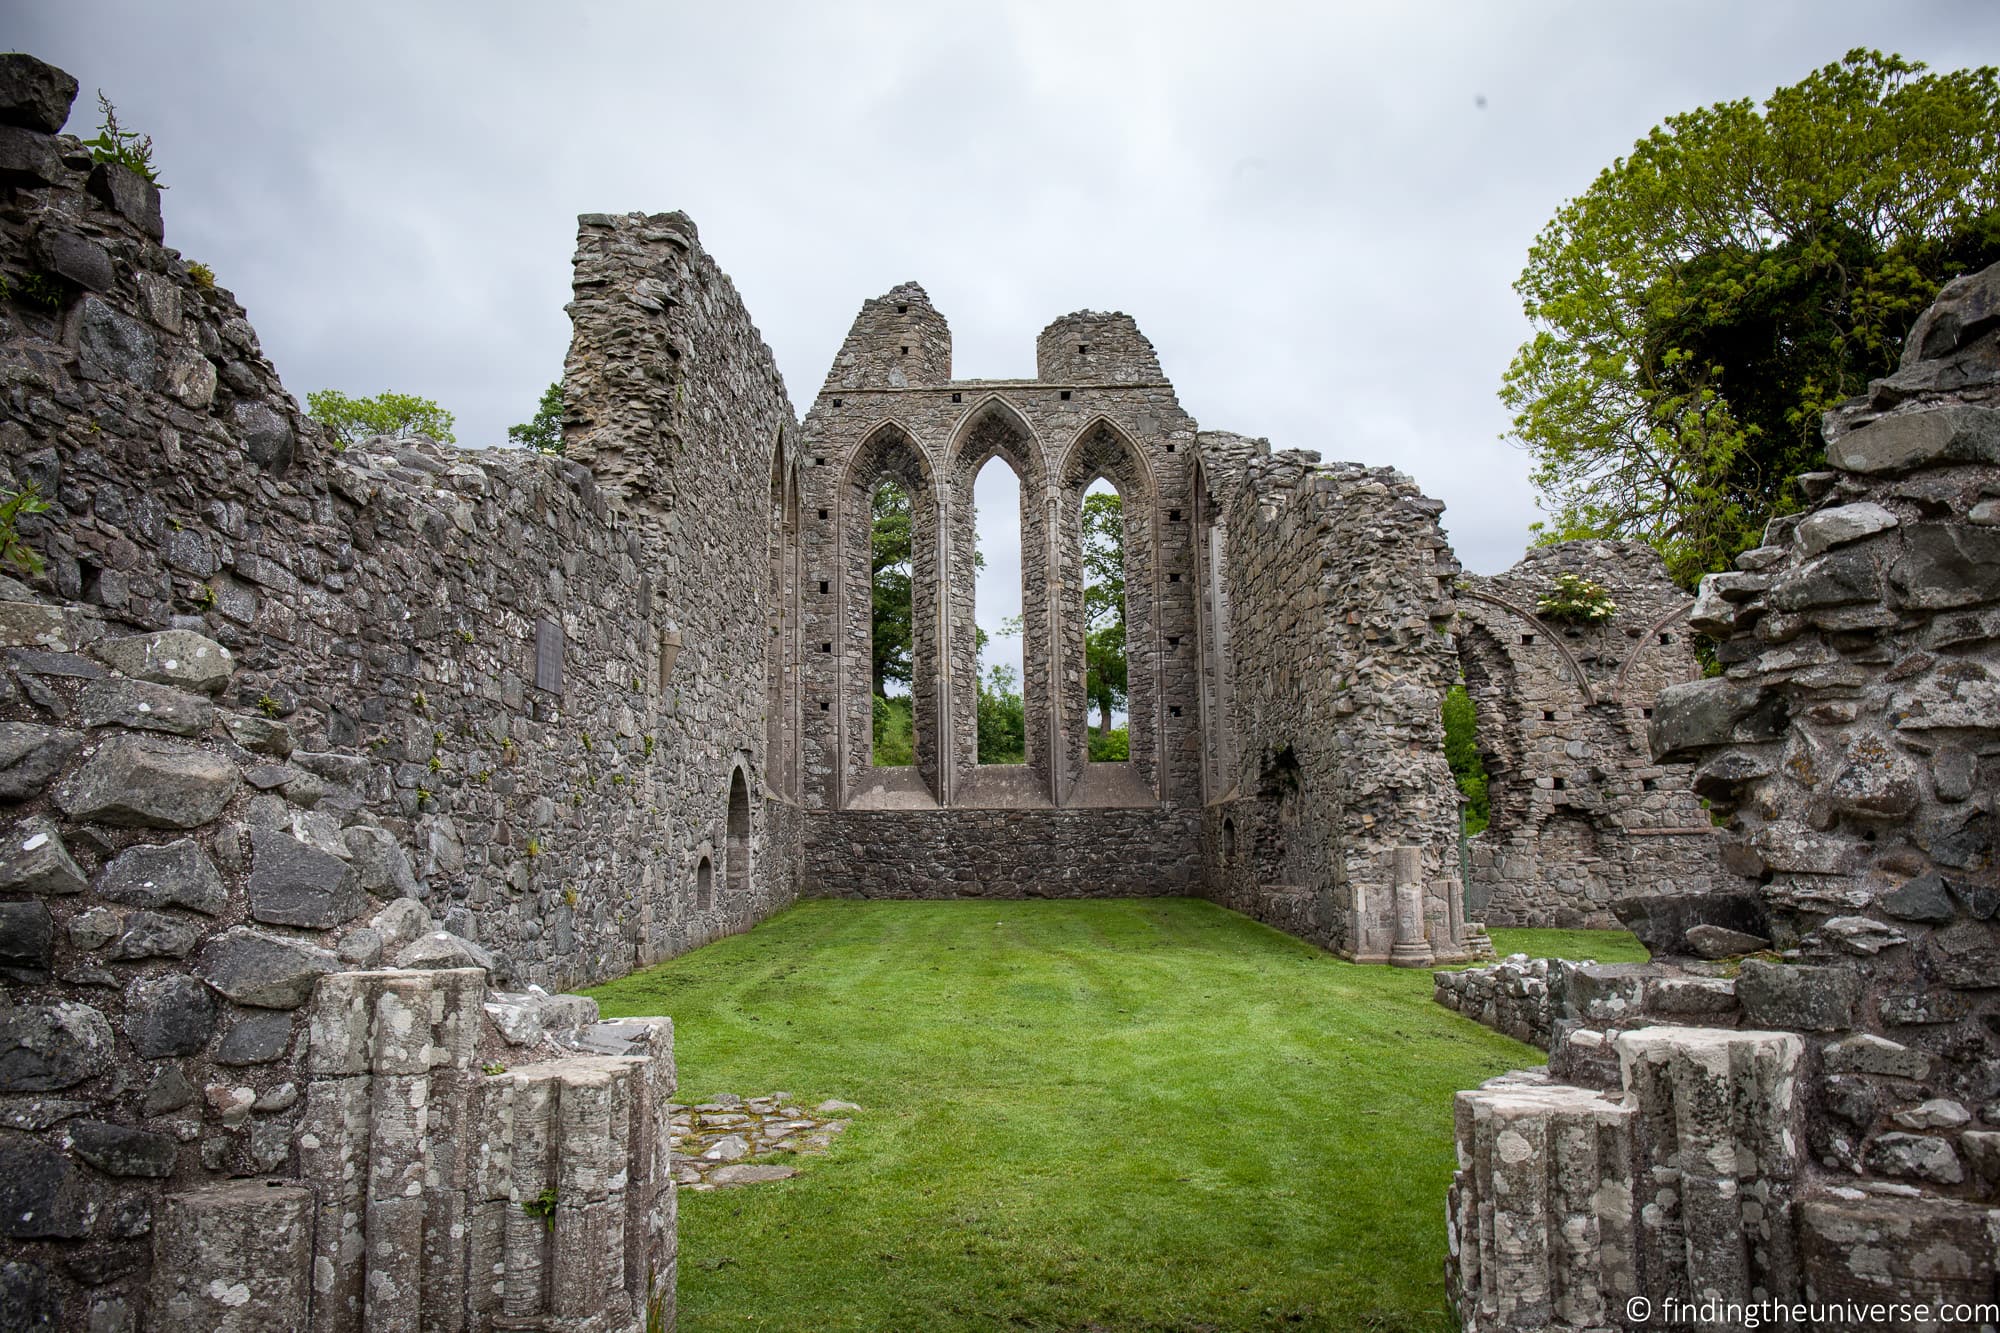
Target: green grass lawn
1604,946
1122,1115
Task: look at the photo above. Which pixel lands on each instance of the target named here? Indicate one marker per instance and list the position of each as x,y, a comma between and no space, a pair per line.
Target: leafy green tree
1104,604
401,415
895,731
889,574
1461,751
1710,295
543,431
1003,720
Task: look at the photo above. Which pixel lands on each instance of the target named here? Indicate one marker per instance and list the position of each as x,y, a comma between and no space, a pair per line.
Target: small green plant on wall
15,553
114,143
1577,600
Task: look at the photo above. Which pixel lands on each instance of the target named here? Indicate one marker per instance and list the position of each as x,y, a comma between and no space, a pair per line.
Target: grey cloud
1302,205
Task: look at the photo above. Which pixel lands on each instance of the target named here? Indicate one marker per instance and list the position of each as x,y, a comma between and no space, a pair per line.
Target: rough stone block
170,1015
1920,439
42,1194
121,1150
176,657
30,757
34,860
292,884
233,1258
1797,997
143,706
174,874
34,95
129,195
1866,1053
150,784
268,971
27,936
1702,714
48,1046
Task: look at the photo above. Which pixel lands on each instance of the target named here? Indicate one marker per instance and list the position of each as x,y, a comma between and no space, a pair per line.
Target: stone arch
704,884
736,839
890,453
1489,680
1649,639
1554,640
996,428
1104,449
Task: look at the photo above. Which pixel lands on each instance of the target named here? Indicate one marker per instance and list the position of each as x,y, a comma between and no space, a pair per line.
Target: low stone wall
1510,996
967,853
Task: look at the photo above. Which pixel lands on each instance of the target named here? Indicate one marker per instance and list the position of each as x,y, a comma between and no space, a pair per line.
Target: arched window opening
997,603
1461,751
704,886
1228,842
1104,621
891,666
736,853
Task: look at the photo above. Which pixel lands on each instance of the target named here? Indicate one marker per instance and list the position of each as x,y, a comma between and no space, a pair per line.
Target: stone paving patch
714,1142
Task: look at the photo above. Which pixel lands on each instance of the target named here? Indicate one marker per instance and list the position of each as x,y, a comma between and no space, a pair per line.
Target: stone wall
481,626
1581,812
1326,589
999,853
1817,1103
277,716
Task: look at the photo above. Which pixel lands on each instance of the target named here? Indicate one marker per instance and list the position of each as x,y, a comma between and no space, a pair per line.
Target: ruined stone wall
277,715
479,625
1807,1096
1101,408
1581,813
1332,593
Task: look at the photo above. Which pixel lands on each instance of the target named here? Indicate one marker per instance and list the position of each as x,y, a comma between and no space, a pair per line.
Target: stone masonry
1581,812
322,769
1799,1099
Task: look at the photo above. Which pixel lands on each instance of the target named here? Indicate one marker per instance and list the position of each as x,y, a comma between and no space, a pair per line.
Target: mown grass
1125,1115
1603,946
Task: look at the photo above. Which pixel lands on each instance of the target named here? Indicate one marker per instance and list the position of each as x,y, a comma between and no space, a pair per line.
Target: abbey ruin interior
328,771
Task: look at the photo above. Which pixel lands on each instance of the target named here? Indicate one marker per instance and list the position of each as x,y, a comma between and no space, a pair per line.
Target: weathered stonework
1581,812
1834,1061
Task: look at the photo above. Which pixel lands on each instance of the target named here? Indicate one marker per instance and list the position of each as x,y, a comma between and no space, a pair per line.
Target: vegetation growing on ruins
1742,270
1576,600
543,431
1075,1114
115,143
15,553
1461,751
400,415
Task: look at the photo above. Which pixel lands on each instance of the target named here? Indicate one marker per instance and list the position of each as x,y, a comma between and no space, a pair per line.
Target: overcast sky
1314,210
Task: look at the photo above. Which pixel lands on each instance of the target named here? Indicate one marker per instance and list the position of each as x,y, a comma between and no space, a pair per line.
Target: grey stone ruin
327,770
1799,1099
